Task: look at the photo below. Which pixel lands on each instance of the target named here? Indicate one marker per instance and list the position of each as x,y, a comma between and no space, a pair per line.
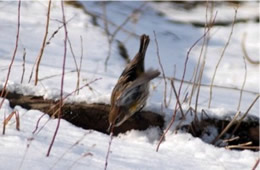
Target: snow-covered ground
134,149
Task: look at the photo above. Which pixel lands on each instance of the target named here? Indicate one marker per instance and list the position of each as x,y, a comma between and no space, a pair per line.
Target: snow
134,149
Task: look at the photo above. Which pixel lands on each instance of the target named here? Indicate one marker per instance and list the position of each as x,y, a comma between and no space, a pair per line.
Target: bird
132,88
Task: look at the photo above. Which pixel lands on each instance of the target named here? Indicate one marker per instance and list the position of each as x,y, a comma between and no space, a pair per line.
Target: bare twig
73,55
62,78
190,110
80,64
231,139
198,91
24,54
4,93
17,119
178,99
245,114
30,77
221,57
109,146
226,128
75,61
43,44
256,164
57,30
243,85
47,43
243,146
161,66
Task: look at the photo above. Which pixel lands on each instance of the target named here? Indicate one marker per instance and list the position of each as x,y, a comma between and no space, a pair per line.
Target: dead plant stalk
256,164
163,74
243,85
182,80
78,68
4,93
17,119
221,57
204,44
43,45
23,65
245,114
62,78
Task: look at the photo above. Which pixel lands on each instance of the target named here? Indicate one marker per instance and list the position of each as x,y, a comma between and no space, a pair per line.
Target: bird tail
144,42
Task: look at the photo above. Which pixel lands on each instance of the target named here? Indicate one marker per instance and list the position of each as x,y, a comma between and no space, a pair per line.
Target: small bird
132,89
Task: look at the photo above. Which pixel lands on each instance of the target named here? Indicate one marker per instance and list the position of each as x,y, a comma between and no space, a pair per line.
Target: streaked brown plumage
131,91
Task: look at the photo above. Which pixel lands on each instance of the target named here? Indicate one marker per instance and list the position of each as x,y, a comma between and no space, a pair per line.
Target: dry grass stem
57,30
221,57
243,85
17,119
43,45
243,146
245,114
243,42
4,93
207,38
178,99
23,65
256,164
109,146
80,64
78,68
198,90
204,44
62,78
163,74
226,128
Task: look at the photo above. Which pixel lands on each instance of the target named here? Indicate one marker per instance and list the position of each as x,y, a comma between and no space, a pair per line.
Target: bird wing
134,88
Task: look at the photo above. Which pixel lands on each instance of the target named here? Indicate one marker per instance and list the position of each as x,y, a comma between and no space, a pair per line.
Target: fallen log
88,116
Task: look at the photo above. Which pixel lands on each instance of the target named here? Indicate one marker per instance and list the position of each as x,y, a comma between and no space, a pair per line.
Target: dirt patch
88,116
239,136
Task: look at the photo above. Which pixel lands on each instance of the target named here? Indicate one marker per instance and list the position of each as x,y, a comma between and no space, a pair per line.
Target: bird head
117,116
